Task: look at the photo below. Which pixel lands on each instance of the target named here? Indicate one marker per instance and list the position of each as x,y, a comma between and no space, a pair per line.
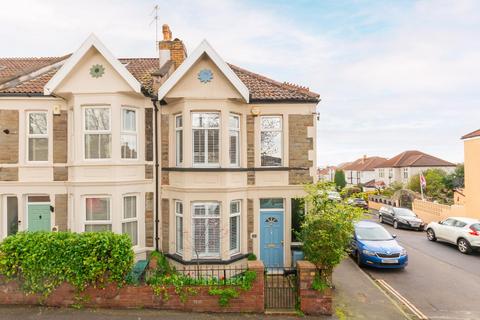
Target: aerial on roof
414,158
473,134
364,164
28,76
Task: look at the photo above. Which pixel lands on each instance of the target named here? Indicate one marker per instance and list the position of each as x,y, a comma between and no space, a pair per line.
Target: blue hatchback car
374,246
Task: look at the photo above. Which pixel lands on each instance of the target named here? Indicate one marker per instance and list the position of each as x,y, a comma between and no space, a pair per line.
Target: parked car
463,232
358,202
334,195
400,218
374,246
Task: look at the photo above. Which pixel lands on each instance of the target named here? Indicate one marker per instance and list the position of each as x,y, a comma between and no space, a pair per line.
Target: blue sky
393,75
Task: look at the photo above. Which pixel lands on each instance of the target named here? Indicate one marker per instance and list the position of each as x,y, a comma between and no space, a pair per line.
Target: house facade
361,171
185,153
407,164
327,174
471,200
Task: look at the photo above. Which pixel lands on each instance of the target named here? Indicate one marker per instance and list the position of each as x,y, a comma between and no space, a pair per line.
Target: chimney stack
171,49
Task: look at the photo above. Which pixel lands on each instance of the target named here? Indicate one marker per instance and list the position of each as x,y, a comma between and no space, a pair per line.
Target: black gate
280,288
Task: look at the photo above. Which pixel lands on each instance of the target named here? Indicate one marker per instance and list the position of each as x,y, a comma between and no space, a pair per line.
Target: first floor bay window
97,214
271,141
206,141
235,226
129,223
206,229
97,133
37,136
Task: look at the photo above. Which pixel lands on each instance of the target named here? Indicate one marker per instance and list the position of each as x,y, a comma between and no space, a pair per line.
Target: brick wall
149,219
165,224
60,174
250,149
299,144
148,171
312,302
139,297
60,127
61,212
9,141
8,174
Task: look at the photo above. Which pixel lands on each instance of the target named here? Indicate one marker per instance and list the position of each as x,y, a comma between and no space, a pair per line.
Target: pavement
439,280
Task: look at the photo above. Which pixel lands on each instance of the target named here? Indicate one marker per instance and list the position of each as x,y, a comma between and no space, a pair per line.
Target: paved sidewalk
357,296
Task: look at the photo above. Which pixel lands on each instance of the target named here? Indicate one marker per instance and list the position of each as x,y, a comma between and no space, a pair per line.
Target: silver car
463,232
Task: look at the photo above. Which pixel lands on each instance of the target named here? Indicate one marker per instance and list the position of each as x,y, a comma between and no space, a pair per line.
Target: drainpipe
155,139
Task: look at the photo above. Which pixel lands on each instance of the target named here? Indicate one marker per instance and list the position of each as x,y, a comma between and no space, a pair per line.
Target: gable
79,79
189,86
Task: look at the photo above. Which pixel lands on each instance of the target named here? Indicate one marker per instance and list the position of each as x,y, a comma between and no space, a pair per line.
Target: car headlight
403,253
368,252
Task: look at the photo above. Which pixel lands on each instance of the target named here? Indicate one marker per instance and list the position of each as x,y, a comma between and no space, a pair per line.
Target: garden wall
312,302
430,211
140,297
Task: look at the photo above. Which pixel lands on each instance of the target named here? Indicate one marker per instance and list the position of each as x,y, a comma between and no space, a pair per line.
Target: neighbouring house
187,154
327,174
471,192
361,170
373,185
407,164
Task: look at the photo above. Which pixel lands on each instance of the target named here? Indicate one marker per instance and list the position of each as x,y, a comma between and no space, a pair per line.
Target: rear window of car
475,226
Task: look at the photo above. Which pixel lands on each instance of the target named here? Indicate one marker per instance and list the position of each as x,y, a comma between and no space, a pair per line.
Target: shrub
43,260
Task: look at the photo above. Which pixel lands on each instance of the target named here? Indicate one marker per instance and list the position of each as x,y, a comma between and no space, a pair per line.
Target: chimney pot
167,34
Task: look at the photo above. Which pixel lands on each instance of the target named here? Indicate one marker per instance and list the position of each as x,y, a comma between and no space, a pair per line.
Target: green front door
39,217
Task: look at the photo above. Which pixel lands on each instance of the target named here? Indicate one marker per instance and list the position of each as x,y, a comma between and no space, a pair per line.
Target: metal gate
280,288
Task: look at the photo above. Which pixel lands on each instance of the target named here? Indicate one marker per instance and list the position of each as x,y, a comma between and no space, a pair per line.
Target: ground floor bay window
206,230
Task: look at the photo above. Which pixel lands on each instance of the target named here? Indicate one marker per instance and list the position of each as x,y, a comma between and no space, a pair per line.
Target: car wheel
380,219
395,224
431,235
359,260
464,246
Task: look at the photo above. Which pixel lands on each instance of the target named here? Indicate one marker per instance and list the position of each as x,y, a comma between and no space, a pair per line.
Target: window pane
98,227
213,146
199,210
98,209
129,207
233,122
131,229
271,123
97,119
198,146
205,120
179,228
271,203
271,148
97,146
12,215
37,149
128,146
234,147
178,207
234,233
234,207
213,244
178,122
129,122
179,146
213,209
37,123
199,235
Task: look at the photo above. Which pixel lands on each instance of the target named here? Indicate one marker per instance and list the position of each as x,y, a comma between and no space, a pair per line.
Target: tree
436,188
456,179
339,179
327,230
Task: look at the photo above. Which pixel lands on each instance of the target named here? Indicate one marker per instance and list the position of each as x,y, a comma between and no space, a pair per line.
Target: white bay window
271,148
37,135
206,141
206,229
97,133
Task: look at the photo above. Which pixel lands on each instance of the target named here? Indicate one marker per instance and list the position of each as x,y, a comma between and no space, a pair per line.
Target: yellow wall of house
472,176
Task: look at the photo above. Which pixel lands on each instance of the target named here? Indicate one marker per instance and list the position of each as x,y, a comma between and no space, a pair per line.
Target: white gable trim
206,48
92,41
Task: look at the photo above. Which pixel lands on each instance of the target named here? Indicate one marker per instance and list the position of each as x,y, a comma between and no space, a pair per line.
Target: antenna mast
155,19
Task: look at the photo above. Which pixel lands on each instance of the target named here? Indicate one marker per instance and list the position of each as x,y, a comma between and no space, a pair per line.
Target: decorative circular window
97,70
271,220
205,75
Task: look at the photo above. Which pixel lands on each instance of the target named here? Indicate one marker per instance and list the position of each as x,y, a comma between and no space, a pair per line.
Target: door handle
282,242
40,217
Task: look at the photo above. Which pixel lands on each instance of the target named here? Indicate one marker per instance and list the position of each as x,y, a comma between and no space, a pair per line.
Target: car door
390,215
446,230
457,231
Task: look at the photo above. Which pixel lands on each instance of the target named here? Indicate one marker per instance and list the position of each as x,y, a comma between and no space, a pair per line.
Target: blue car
374,246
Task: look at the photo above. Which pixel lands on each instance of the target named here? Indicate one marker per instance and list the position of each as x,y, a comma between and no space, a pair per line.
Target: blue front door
271,238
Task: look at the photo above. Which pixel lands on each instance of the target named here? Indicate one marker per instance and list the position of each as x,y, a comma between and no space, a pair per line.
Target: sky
393,75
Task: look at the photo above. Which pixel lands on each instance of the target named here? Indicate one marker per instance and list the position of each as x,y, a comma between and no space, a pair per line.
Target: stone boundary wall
312,302
430,211
376,202
251,301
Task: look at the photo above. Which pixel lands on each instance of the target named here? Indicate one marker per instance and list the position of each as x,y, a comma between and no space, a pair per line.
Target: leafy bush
339,179
44,260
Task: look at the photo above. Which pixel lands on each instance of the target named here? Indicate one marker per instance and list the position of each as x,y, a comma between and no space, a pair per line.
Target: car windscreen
372,233
475,226
404,212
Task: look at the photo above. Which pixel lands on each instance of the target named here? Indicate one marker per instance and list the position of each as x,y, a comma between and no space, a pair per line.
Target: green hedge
44,260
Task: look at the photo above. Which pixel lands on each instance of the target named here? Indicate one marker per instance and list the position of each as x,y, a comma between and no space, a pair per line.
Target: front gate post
312,302
258,289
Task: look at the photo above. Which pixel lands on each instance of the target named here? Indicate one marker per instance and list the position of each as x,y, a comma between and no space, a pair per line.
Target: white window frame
381,172
281,138
238,216
179,215
179,149
97,222
105,132
236,131
124,132
37,135
134,219
205,162
405,173
207,254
